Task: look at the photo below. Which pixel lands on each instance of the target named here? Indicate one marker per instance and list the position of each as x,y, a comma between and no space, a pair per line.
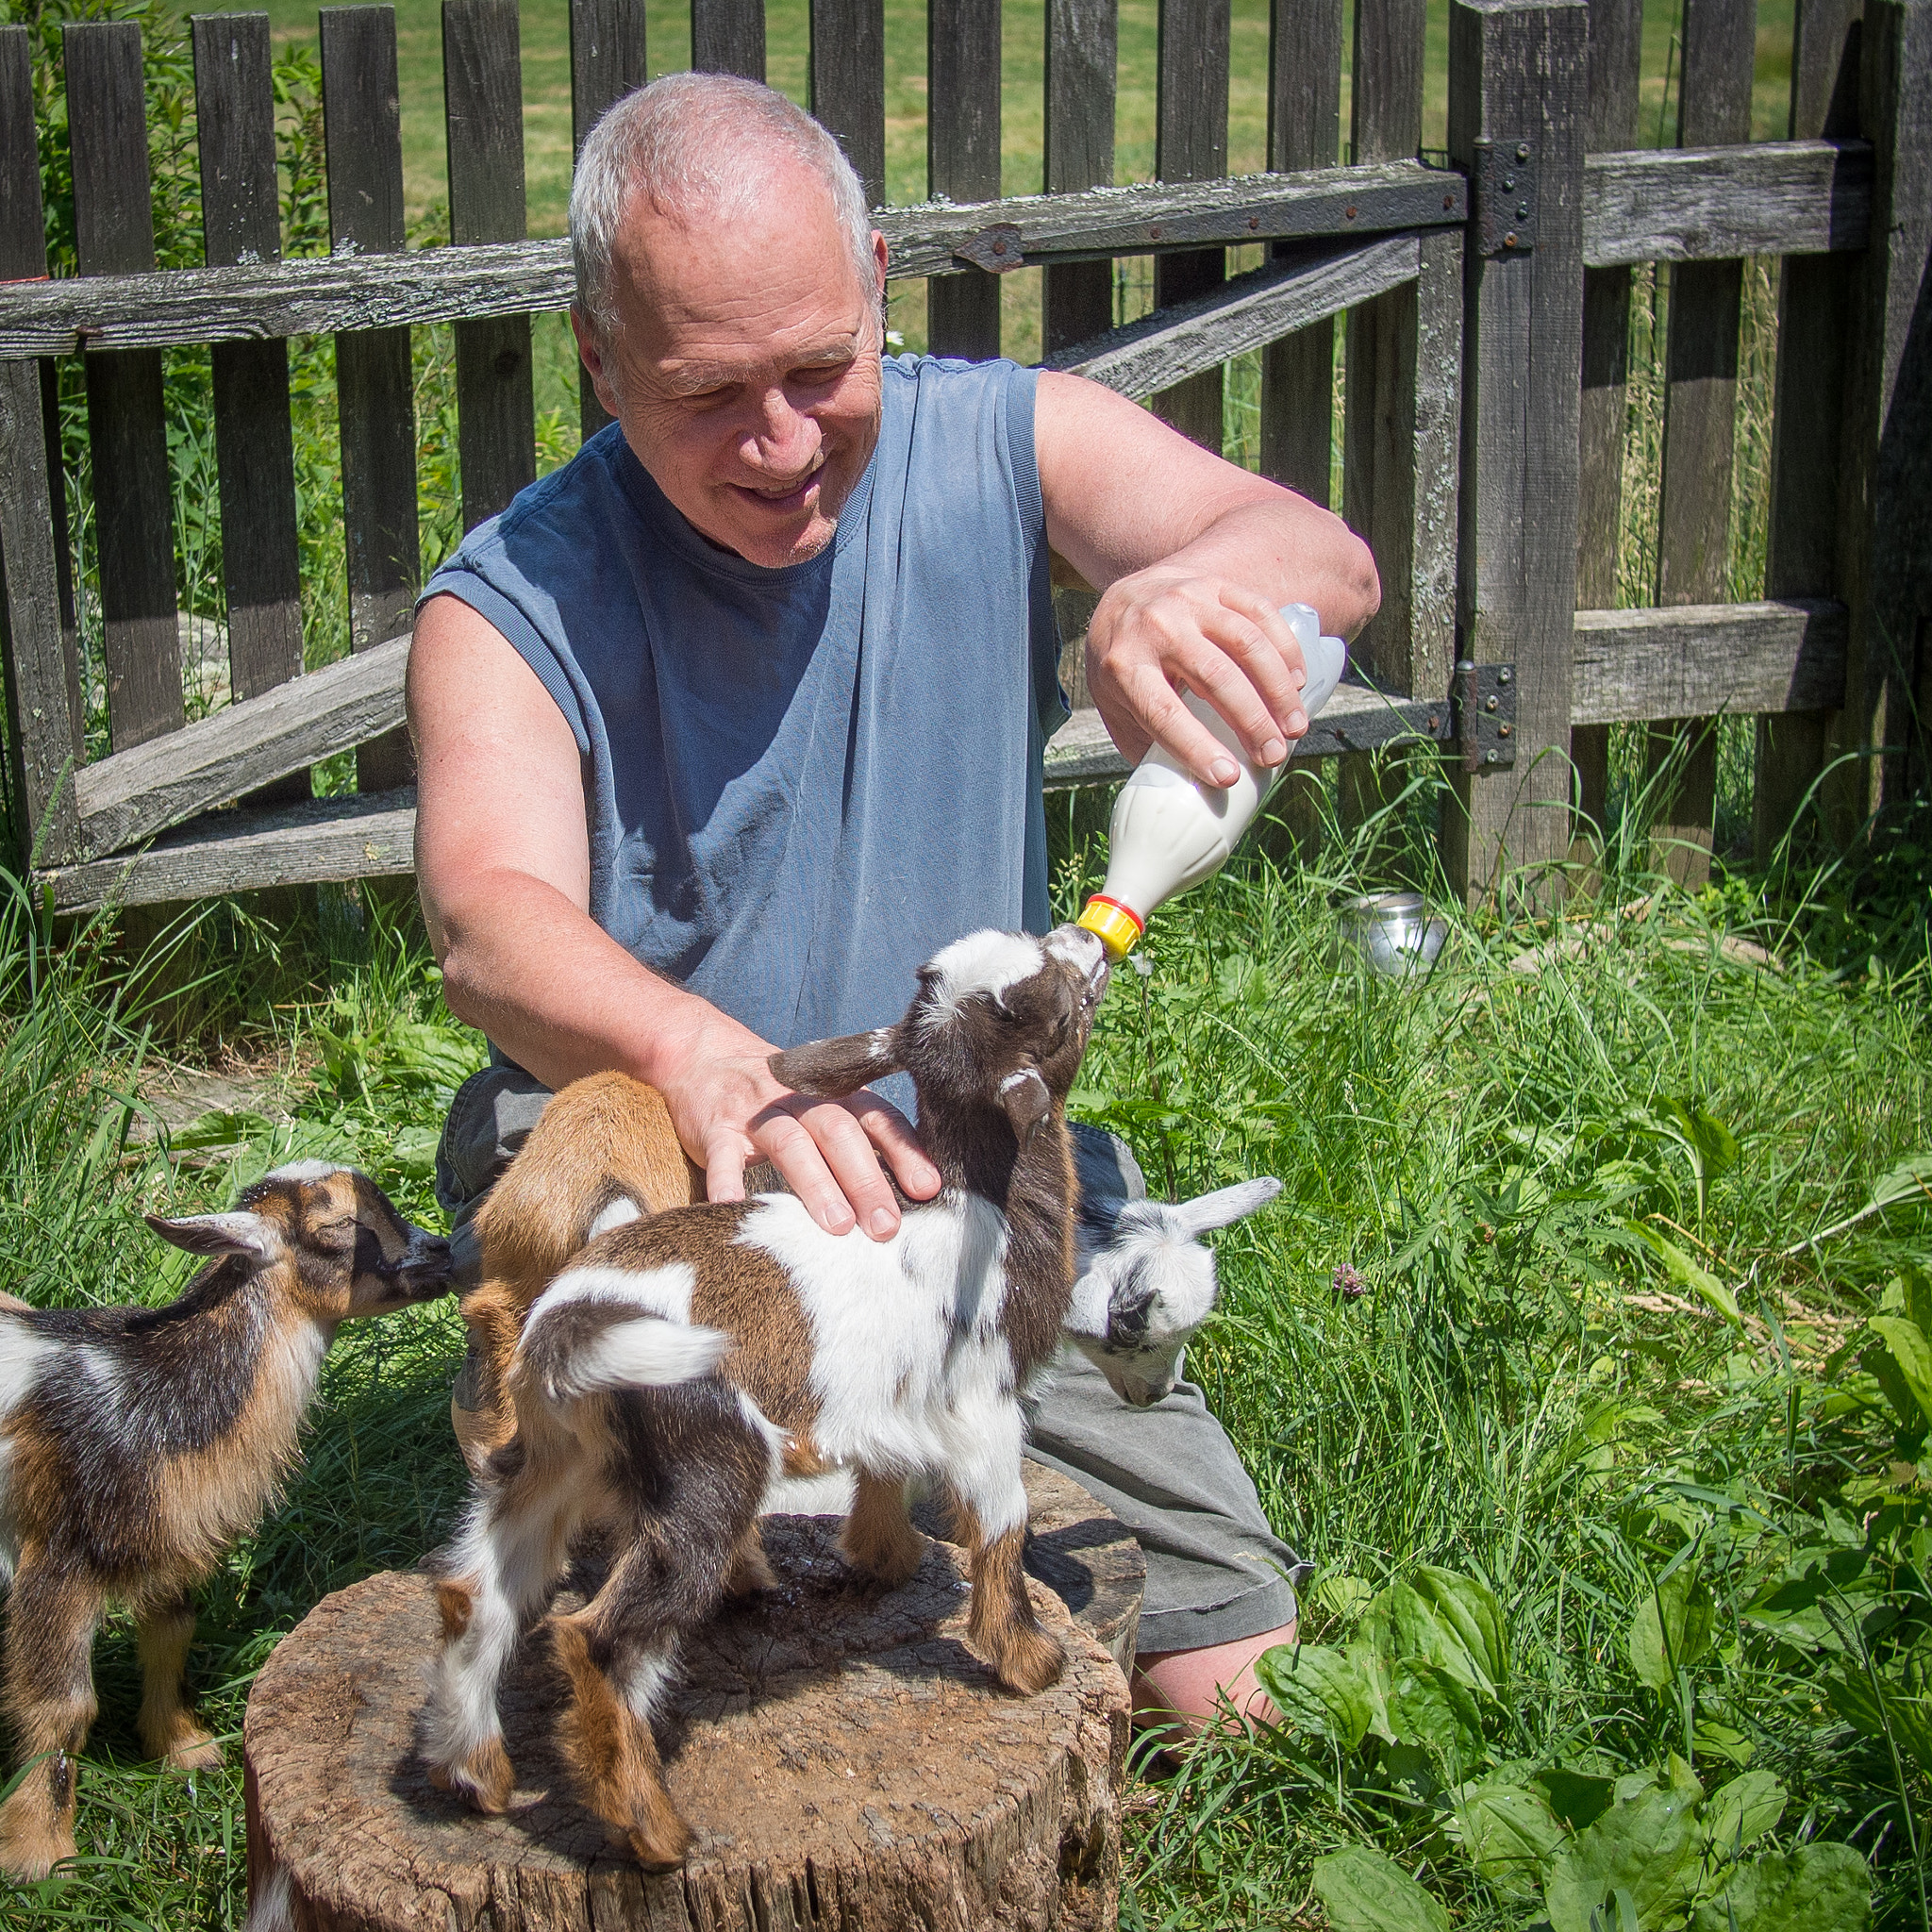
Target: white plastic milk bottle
1170,833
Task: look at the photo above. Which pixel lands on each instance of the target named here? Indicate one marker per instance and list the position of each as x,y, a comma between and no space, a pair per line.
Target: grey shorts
1216,1573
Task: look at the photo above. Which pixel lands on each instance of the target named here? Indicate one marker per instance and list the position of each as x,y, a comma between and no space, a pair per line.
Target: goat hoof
663,1842
889,1564
484,1781
750,1574
1030,1661
193,1751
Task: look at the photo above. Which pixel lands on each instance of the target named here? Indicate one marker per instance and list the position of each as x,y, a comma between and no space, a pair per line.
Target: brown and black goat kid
684,1359
136,1443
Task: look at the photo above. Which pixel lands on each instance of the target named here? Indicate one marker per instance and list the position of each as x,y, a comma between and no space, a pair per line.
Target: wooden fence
1484,472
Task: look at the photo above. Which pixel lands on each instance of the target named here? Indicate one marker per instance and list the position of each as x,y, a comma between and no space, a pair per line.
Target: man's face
748,364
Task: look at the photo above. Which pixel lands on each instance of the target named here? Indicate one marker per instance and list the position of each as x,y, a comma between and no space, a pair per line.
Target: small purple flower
1348,1282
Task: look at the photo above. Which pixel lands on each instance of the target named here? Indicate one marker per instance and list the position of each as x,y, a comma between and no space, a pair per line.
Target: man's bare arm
1194,558
503,865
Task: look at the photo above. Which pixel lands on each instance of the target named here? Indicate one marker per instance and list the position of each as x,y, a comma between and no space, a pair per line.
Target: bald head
702,147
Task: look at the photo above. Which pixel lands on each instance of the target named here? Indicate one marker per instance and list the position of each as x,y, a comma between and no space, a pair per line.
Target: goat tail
589,1347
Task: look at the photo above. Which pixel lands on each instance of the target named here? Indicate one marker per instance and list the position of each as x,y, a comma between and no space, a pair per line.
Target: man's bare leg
1182,1689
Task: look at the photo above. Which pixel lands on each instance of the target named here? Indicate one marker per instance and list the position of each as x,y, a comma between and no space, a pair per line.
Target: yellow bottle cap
1117,927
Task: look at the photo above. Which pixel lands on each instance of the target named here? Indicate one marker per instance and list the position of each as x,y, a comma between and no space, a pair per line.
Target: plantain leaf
1672,1628
1739,1813
1510,1833
1905,1340
1362,1890
1469,1607
1427,1705
1815,1888
1648,1847
1319,1689
1685,1271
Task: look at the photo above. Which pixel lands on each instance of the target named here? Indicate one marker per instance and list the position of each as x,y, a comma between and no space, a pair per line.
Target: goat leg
165,1629
879,1540
50,1702
1001,1626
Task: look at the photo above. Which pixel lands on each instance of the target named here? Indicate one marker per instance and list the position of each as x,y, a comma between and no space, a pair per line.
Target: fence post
1517,74
607,62
1700,427
1610,123
1885,570
374,383
483,111
44,721
848,83
1191,145
1813,292
127,426
728,37
962,159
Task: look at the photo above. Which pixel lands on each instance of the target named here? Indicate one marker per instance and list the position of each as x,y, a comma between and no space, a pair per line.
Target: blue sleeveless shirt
801,783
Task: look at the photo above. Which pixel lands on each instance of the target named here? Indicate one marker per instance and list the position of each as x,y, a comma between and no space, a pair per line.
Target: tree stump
845,1760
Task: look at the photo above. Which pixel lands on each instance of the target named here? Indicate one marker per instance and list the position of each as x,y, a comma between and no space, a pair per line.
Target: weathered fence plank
1700,426
607,62
728,37
1517,74
1081,39
364,838
255,442
1191,145
44,718
1616,51
1813,294
375,389
1173,345
127,429
848,83
320,296
1884,494
1378,477
1304,125
1692,661
233,752
962,154
483,97
1708,204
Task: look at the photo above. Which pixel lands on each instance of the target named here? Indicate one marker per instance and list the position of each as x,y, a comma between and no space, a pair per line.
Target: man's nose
784,440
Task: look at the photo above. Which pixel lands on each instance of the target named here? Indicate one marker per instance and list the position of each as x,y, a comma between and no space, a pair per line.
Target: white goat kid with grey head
1147,1283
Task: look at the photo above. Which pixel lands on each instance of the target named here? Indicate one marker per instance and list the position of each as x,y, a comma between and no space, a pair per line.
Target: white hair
697,142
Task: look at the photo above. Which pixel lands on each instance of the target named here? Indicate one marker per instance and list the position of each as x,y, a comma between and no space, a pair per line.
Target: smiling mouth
795,496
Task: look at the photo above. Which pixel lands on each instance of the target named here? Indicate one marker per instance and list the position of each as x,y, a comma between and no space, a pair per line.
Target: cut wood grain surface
844,1758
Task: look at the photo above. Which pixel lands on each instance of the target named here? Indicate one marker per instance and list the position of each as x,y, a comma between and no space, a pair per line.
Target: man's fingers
855,1168
1179,731
725,1168
891,1134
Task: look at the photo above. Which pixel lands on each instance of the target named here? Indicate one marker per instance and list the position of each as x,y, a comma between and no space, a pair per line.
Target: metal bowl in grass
1395,933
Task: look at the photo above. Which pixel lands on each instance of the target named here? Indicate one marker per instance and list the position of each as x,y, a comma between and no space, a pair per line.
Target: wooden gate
1483,471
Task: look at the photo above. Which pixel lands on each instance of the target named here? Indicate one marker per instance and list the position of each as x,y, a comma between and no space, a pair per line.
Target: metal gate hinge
1503,196
1482,701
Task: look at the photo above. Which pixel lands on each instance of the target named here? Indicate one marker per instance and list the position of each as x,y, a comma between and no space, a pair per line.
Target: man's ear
1027,1103
238,1232
829,1068
1226,1206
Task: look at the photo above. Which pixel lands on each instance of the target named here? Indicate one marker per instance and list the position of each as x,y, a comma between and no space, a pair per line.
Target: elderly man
729,723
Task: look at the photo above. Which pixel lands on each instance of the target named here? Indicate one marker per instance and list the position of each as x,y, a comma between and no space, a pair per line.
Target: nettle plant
1410,1712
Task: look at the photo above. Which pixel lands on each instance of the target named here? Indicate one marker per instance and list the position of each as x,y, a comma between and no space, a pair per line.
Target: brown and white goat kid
136,1443
682,1362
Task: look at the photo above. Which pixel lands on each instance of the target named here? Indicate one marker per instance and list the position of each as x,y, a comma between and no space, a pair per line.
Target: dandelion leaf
1815,1888
1687,1273
1362,1890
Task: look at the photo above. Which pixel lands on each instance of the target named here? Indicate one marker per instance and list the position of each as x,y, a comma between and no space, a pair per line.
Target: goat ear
1226,1205
1027,1103
238,1232
832,1068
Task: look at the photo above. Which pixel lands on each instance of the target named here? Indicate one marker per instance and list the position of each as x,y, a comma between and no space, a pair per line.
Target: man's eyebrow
694,378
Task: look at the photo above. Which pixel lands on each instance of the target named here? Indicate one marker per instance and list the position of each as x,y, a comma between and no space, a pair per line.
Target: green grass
1523,1394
